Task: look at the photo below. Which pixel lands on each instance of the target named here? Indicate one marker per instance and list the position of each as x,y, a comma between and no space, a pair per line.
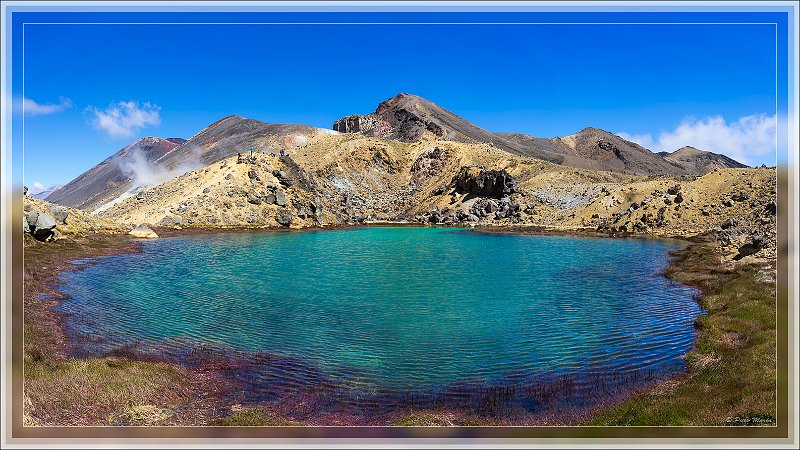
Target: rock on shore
143,231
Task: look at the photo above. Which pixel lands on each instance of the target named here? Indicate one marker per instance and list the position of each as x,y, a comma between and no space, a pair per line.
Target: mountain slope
113,176
152,161
236,134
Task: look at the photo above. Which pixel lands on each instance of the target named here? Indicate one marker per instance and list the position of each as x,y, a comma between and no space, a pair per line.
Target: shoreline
112,244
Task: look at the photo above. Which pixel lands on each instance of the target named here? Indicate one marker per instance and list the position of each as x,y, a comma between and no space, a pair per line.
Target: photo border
787,288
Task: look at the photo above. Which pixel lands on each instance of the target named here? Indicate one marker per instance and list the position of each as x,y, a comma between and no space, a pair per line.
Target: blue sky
711,86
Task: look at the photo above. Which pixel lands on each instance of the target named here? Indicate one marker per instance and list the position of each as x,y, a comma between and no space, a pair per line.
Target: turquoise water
394,309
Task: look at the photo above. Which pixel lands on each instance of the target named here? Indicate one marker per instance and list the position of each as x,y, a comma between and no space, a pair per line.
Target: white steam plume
147,174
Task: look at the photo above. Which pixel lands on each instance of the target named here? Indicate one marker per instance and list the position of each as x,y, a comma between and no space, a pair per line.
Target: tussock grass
107,391
424,420
732,372
253,418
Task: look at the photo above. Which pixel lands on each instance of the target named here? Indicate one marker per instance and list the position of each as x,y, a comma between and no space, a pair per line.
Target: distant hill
699,161
43,195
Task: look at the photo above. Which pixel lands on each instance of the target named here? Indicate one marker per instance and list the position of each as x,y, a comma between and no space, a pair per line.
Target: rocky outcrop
358,124
143,231
488,183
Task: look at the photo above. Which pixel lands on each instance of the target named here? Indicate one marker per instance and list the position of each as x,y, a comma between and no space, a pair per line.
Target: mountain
43,195
351,178
699,161
113,176
607,151
407,118
404,118
235,134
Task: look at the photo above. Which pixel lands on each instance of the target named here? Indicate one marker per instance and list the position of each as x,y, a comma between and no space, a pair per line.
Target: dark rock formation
487,183
284,217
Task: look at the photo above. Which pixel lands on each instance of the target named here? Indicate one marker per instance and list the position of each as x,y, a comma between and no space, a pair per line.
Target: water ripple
385,314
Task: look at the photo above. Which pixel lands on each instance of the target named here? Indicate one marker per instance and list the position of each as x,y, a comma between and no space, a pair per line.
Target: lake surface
391,312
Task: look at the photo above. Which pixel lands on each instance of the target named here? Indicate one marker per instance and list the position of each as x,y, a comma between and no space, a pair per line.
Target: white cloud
31,108
37,187
747,139
124,119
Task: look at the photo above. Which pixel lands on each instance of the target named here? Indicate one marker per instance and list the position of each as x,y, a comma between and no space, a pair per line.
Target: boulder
26,228
280,197
59,213
31,217
169,221
674,189
270,199
489,183
143,231
284,217
282,177
43,227
750,248
253,199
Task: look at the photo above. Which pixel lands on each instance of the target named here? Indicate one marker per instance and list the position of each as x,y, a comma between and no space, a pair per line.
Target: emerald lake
385,313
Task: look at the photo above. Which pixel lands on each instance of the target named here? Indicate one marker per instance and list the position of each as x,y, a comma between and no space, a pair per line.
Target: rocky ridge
343,179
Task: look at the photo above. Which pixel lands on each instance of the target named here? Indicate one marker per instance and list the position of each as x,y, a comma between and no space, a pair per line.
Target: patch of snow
124,196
